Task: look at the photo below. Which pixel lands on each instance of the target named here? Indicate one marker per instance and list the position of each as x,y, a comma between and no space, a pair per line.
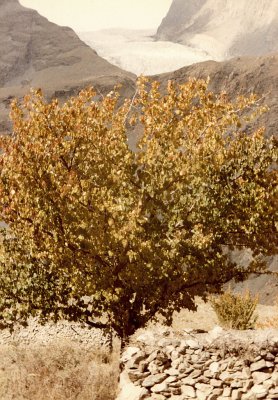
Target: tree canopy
99,233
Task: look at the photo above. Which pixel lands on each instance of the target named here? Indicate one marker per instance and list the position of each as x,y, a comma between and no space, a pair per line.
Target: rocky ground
226,365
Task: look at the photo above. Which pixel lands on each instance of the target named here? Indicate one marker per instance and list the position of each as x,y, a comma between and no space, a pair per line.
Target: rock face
230,367
38,53
223,28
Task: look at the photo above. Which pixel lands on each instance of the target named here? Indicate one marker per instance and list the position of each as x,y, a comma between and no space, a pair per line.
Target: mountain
38,53
223,28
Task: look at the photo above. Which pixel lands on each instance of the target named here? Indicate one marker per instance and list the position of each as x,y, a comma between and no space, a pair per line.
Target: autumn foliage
99,233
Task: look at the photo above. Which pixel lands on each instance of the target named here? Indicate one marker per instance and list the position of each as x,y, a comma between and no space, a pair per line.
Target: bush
235,311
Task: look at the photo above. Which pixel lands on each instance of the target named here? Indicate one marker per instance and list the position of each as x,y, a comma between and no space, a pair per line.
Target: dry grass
67,371
58,372
269,320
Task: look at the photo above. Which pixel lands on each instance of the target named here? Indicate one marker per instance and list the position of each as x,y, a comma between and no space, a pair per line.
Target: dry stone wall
63,331
218,365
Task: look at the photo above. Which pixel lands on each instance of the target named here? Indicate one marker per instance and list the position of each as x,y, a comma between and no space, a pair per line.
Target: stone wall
62,331
218,365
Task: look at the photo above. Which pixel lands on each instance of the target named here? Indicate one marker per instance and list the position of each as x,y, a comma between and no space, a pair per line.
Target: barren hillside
223,29
38,53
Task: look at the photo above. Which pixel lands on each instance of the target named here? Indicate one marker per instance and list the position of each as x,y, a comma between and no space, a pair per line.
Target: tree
99,233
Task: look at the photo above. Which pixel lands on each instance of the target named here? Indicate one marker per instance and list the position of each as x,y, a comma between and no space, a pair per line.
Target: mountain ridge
38,53
224,29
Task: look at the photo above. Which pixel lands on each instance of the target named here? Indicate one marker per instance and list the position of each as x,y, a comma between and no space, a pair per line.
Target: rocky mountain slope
38,53
223,29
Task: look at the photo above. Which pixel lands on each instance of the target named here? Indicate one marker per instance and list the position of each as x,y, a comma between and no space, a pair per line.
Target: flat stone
256,366
236,384
182,367
195,374
157,396
214,367
135,375
129,353
189,370
172,372
226,377
188,381
260,377
161,387
152,380
249,396
201,395
216,383
269,364
188,391
268,384
192,344
274,378
171,379
227,392
260,391
204,388
236,394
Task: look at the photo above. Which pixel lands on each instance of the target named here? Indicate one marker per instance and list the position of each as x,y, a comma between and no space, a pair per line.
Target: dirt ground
206,319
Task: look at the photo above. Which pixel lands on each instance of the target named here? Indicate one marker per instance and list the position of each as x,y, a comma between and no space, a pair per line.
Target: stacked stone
36,334
184,369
